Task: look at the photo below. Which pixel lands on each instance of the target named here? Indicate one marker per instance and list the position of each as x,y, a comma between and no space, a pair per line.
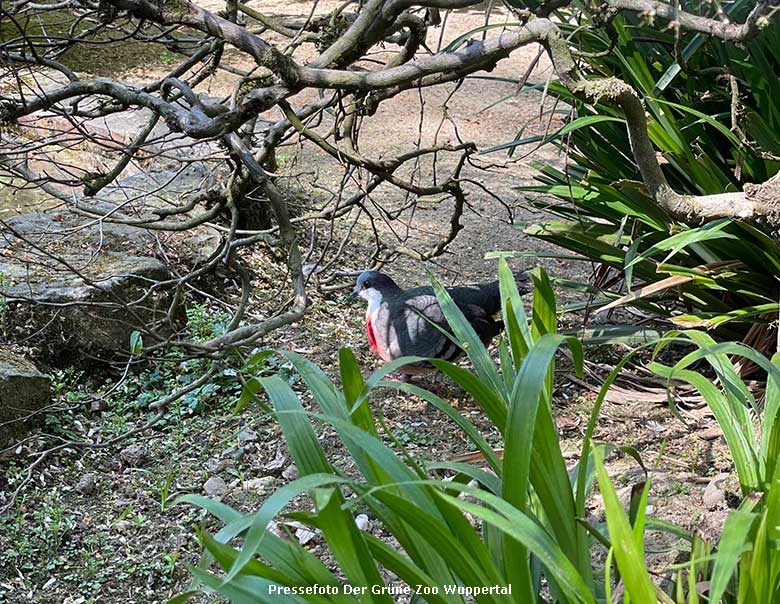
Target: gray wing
423,314
483,323
415,331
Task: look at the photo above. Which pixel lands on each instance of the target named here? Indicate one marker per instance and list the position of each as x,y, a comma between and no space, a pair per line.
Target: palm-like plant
714,111
514,532
527,538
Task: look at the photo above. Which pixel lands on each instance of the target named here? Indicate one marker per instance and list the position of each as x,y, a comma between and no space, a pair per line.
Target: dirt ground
66,543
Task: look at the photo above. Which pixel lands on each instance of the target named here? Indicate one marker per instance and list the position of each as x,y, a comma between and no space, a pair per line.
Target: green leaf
515,321
467,338
733,542
733,426
347,544
136,343
581,122
183,597
464,424
245,589
692,48
769,449
472,565
258,360
224,512
711,121
545,316
631,335
531,381
353,386
676,243
628,556
710,320
408,571
301,439
258,528
248,394
494,405
487,479
521,528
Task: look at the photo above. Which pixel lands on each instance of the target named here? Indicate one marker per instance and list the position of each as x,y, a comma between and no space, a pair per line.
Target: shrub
711,140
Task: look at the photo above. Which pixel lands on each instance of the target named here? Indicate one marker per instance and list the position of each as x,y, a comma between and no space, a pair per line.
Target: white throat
374,298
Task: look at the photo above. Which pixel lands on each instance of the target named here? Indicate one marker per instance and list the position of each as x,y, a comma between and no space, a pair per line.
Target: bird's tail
487,296
523,281
490,294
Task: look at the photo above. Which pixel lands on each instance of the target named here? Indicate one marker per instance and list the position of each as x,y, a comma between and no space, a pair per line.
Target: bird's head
372,284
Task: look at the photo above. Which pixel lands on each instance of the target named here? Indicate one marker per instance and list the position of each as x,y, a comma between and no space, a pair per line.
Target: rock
98,404
167,148
87,484
290,472
273,527
362,522
215,466
87,312
152,188
710,433
246,436
305,536
199,245
567,424
303,533
277,464
238,498
134,456
23,391
57,264
259,485
215,487
714,495
174,187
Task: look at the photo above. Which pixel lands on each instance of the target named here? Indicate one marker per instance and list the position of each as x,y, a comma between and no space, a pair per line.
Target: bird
408,322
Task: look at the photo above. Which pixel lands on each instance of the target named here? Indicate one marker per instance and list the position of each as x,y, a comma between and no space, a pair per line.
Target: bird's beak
352,296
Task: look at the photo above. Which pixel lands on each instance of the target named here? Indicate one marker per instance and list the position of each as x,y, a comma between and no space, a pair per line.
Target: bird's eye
366,284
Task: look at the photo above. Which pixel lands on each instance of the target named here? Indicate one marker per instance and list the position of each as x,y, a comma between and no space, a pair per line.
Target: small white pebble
362,522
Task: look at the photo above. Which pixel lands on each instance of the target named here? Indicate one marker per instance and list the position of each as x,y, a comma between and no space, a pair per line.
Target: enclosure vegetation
666,117
520,522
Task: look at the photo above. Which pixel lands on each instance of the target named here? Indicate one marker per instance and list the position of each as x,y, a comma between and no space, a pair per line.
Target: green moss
332,32
603,89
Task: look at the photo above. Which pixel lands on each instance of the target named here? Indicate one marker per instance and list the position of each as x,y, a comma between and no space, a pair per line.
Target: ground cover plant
519,521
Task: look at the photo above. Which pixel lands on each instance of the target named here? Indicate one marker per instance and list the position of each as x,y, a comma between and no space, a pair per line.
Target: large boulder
75,285
23,391
76,289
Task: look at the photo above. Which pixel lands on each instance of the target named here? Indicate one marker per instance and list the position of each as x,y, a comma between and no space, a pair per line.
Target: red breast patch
372,342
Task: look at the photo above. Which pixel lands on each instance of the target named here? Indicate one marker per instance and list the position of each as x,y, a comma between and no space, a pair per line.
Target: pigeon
408,322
